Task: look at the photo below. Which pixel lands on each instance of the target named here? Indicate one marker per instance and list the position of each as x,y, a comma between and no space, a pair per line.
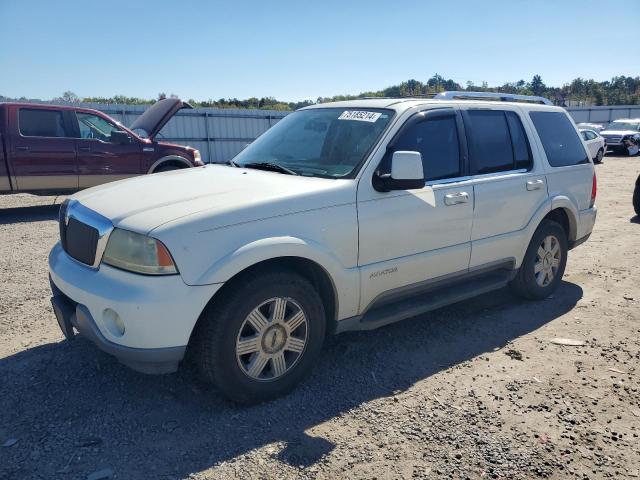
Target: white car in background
598,127
595,144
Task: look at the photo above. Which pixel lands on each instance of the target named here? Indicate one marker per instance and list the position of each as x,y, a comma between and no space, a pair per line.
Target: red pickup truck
47,149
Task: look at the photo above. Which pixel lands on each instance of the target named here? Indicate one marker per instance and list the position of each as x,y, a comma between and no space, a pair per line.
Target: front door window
93,126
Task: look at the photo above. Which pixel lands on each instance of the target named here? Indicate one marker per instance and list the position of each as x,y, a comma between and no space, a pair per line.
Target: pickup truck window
93,126
35,122
559,139
320,142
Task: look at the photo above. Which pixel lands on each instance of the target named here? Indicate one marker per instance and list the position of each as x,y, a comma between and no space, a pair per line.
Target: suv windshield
319,142
623,126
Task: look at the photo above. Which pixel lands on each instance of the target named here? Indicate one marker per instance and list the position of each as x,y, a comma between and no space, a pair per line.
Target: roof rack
503,97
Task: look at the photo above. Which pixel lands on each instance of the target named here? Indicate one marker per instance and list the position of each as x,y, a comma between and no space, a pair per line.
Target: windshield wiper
274,167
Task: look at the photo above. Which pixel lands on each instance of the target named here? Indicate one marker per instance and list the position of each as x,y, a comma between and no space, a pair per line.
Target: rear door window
497,141
35,122
559,139
520,142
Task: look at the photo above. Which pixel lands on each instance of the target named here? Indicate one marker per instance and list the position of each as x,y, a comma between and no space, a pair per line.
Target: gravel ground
476,390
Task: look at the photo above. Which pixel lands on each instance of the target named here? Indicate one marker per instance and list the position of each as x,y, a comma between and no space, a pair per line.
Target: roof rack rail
503,97
400,97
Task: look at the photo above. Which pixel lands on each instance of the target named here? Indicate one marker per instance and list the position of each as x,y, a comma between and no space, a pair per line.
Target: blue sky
296,50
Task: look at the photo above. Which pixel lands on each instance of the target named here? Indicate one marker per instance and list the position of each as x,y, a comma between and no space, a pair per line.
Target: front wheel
544,262
261,338
167,168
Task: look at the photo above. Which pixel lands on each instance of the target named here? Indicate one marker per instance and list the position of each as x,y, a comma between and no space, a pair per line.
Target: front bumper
71,315
157,313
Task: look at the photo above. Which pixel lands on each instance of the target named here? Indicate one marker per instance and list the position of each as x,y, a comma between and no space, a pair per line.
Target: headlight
197,158
138,253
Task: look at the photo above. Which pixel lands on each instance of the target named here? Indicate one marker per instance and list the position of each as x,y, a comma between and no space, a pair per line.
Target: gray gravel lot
476,390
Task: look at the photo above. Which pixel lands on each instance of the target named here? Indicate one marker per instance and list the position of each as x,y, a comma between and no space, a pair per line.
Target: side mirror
121,137
406,173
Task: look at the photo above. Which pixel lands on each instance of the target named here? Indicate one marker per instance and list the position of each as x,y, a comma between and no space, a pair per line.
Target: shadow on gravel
75,410
34,213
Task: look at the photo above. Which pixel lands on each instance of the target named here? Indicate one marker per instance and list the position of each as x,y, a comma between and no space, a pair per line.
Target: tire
636,197
226,329
599,156
166,168
527,282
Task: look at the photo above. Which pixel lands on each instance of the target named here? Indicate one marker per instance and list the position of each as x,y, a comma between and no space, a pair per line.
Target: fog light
113,322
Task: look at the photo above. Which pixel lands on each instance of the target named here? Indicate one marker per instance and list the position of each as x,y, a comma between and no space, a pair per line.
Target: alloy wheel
272,339
547,262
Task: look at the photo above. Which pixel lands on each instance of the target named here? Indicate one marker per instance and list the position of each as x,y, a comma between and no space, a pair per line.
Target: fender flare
345,281
563,202
169,158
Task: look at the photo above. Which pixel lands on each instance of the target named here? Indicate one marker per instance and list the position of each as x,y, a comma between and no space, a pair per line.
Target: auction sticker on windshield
359,115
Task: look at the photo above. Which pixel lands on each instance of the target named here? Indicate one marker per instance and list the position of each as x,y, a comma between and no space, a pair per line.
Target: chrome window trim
93,219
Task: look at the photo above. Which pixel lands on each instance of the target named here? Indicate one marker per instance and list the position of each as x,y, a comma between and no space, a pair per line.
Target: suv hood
214,196
157,115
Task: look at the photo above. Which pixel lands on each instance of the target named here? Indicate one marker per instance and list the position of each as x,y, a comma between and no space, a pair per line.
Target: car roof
48,106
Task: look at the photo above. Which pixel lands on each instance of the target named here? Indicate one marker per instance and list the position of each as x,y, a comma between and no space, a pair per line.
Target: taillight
594,191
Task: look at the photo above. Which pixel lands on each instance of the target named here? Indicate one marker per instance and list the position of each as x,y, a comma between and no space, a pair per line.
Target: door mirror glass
118,136
406,173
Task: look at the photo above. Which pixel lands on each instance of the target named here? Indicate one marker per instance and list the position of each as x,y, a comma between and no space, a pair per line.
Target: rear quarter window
560,140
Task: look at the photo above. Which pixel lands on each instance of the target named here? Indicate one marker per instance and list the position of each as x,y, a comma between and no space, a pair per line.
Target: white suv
343,216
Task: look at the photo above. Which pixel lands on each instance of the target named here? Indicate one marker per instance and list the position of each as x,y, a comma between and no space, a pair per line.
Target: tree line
620,90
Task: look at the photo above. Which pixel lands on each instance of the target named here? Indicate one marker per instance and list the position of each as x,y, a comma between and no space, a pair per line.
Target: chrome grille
83,233
81,241
612,138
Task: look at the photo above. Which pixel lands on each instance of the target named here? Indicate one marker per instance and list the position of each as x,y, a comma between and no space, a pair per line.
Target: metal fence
221,133
603,114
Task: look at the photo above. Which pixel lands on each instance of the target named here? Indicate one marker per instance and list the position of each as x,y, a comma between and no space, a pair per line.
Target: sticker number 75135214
359,115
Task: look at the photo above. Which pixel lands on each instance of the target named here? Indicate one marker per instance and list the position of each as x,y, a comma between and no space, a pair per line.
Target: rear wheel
599,156
544,262
260,339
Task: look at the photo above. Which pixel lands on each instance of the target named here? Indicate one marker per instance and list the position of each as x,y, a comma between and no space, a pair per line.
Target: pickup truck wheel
258,341
544,262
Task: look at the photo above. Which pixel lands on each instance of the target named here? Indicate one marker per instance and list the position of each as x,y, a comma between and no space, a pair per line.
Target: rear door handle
456,198
84,149
22,148
535,184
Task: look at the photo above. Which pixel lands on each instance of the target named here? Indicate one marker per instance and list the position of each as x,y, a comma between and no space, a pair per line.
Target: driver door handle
456,198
